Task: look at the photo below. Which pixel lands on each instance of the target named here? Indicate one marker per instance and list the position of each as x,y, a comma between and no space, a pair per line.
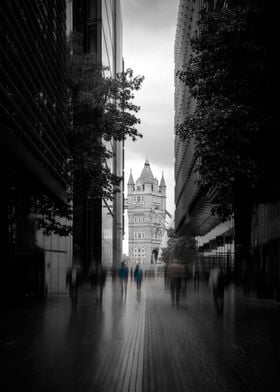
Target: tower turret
131,183
162,185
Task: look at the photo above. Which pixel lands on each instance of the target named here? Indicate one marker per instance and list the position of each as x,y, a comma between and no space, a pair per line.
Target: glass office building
193,209
101,25
33,145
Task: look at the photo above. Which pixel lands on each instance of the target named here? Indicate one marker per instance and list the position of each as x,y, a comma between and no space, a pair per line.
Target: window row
139,219
139,251
157,236
138,199
138,235
139,248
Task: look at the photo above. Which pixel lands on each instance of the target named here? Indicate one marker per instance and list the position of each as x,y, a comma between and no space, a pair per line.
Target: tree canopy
100,110
233,77
180,248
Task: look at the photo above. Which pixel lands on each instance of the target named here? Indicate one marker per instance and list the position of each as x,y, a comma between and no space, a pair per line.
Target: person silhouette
138,276
73,281
123,276
175,274
217,285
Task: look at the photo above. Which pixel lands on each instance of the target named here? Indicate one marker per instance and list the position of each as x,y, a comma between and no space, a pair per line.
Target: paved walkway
142,342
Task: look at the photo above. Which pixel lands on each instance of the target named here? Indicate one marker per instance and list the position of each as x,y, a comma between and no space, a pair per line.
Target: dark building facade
102,225
33,144
193,209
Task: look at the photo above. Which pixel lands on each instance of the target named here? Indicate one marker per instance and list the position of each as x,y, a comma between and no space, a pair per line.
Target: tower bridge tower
146,210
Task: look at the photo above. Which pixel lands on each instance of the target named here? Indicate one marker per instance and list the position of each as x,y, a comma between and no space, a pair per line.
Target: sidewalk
142,342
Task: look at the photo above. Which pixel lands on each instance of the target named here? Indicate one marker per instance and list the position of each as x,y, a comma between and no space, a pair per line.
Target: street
142,341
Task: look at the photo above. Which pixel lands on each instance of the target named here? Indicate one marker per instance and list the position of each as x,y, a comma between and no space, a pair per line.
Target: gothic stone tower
146,215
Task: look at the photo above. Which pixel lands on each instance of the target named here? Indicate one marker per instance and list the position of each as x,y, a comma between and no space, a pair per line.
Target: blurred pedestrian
217,286
113,272
102,274
138,276
175,274
165,275
73,281
93,274
123,276
196,276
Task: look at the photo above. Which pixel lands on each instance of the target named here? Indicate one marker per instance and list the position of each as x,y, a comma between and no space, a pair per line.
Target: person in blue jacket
123,276
138,276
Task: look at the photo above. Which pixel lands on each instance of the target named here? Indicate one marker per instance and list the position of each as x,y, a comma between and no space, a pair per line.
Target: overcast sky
149,28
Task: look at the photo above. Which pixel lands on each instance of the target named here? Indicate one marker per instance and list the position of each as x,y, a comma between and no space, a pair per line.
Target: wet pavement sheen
142,341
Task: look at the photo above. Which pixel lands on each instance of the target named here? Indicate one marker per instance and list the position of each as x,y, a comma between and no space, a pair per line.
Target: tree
99,110
180,248
233,77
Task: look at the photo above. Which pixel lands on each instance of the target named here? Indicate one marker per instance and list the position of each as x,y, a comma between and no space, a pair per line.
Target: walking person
93,273
123,276
102,274
113,272
73,280
217,285
196,277
138,276
175,274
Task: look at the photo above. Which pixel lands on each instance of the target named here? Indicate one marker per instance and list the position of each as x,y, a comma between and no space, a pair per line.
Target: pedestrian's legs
220,302
172,289
75,295
101,291
178,289
125,285
71,291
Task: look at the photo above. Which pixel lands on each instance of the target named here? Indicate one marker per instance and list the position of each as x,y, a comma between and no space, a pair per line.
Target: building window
138,200
139,235
139,219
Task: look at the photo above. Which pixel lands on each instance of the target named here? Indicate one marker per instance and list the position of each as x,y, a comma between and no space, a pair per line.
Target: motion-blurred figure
175,274
196,277
165,276
123,276
102,274
93,274
217,286
138,276
113,272
98,275
73,281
